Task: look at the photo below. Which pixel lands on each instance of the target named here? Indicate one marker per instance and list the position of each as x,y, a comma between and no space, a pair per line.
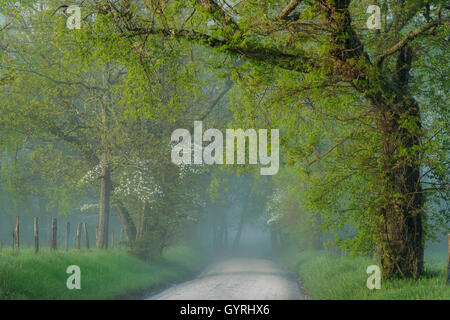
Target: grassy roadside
330,276
105,274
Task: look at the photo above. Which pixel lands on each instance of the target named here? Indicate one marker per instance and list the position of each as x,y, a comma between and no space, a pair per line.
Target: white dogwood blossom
137,181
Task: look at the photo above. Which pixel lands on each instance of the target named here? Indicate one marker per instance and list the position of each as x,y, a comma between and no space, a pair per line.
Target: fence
81,228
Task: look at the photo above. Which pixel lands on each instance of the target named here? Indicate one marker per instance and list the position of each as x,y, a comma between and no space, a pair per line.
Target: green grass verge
105,274
330,276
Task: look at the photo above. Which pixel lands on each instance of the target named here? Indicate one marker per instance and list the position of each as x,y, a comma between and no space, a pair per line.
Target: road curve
236,279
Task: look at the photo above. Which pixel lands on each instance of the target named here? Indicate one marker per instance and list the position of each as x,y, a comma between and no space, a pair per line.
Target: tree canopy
362,112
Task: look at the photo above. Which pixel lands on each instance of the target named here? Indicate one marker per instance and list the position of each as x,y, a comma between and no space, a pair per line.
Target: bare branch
69,83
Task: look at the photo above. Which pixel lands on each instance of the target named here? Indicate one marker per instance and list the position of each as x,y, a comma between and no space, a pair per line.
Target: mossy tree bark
401,247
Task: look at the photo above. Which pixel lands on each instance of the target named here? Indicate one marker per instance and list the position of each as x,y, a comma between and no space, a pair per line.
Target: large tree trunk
103,219
401,249
399,214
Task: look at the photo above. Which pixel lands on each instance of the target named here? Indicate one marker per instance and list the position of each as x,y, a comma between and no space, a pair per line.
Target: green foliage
83,99
105,274
328,276
343,96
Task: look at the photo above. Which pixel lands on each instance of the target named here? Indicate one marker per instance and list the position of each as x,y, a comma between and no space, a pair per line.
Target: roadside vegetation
91,116
329,276
105,274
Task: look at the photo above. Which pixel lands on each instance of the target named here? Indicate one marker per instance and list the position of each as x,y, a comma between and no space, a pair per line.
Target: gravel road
237,279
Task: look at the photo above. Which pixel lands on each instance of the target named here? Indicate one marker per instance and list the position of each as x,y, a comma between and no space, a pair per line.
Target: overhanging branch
410,37
252,52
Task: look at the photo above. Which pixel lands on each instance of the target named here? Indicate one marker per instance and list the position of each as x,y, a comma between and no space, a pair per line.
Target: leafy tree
72,92
321,50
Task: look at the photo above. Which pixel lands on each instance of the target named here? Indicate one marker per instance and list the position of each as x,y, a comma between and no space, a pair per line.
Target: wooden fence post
16,234
36,235
78,236
86,234
53,243
67,236
447,278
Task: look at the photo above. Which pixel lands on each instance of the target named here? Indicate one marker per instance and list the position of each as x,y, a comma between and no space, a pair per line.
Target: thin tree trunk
215,234
126,220
112,240
86,235
224,227
103,219
141,223
78,237
237,238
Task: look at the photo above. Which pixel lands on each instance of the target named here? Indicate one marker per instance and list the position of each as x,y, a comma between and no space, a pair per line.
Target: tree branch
68,83
256,53
288,9
409,37
319,157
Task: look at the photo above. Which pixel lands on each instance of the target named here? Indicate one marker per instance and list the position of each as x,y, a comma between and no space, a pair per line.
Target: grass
329,276
105,274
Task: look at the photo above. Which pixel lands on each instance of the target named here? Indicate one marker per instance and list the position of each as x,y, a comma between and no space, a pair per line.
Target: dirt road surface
237,279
